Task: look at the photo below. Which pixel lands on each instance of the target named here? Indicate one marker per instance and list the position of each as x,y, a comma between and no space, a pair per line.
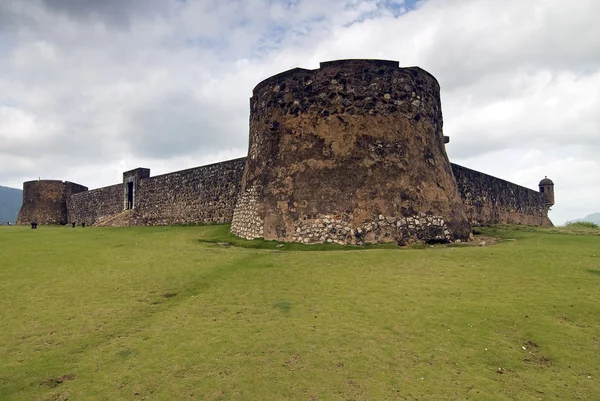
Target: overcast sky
91,88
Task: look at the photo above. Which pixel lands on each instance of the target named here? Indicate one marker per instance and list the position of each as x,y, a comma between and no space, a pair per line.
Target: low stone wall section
491,200
205,195
91,206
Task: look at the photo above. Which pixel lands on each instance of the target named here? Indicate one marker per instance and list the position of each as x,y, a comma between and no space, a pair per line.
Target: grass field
167,313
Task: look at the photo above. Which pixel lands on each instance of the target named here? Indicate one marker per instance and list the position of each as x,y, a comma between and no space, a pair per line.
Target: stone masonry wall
45,201
90,206
205,194
491,200
352,152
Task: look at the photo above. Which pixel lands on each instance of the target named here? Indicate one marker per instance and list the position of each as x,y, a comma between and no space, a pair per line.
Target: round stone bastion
45,201
350,153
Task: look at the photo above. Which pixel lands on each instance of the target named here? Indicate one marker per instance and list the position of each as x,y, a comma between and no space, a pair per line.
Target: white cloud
89,89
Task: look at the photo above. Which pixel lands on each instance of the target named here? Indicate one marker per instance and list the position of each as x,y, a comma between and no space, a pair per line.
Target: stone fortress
351,153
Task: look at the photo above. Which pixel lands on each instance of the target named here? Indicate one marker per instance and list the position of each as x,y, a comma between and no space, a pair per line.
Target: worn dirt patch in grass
534,357
57,381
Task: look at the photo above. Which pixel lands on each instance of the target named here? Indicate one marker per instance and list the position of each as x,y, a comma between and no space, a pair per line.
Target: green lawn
164,313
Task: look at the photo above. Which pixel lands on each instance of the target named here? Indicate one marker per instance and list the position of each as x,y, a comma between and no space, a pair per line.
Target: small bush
581,224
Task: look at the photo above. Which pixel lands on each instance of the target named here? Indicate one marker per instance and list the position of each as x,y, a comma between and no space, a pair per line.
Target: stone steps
126,218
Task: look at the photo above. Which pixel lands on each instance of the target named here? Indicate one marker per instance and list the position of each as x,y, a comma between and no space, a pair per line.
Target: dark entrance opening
130,195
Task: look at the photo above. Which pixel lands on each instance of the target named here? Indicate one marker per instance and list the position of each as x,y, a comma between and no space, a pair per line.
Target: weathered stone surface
200,195
356,142
45,201
90,206
491,200
205,194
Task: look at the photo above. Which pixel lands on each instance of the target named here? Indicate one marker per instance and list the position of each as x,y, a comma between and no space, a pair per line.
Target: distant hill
10,204
592,218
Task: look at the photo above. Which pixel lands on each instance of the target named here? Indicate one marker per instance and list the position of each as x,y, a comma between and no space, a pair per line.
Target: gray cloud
177,124
115,13
89,89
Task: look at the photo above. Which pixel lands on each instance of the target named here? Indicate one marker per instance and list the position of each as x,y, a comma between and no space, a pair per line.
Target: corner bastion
352,152
45,201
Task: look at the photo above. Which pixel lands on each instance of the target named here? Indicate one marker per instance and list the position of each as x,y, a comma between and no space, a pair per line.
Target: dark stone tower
547,188
45,201
352,152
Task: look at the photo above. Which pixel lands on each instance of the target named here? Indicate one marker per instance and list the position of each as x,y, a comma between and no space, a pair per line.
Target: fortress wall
90,206
352,152
491,200
45,201
205,194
